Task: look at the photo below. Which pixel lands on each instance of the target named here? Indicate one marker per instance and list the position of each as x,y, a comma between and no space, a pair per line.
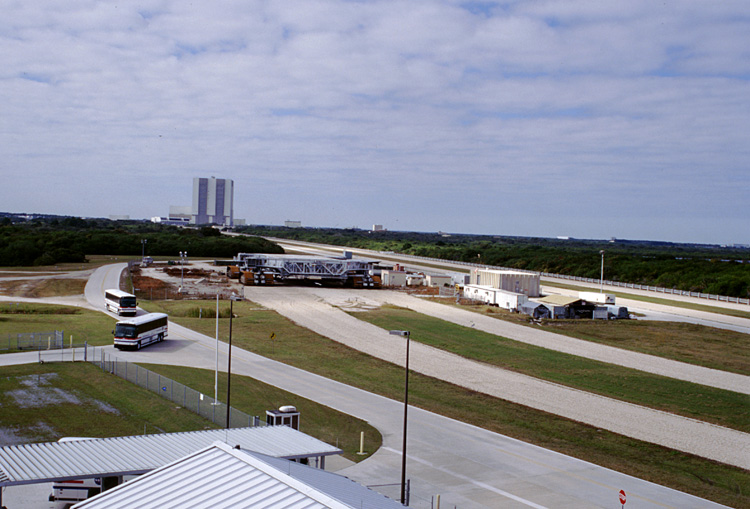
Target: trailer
495,297
597,297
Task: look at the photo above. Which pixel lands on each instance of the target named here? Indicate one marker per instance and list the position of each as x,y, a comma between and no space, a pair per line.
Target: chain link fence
33,341
201,404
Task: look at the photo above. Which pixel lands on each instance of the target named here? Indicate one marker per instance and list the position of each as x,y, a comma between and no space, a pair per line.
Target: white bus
120,302
140,331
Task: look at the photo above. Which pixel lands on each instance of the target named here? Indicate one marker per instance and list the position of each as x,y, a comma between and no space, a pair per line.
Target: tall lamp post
601,277
233,298
406,334
183,257
143,248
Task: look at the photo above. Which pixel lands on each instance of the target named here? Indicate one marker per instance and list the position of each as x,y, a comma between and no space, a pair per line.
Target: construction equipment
266,269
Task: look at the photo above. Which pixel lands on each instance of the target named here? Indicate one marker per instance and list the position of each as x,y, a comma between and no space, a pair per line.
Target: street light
183,257
601,277
233,298
143,248
406,334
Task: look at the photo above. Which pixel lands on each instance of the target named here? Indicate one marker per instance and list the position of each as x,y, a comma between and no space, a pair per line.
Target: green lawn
45,402
83,324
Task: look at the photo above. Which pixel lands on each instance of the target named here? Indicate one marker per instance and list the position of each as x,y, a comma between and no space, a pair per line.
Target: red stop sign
623,498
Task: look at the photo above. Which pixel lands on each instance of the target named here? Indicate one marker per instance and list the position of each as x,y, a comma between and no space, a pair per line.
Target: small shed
536,310
561,306
438,280
393,277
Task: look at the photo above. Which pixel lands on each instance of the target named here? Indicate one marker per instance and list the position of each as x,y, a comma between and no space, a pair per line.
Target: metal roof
558,300
220,477
30,463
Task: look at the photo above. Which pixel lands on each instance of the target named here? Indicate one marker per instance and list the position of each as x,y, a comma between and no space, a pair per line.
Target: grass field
83,324
253,328
44,402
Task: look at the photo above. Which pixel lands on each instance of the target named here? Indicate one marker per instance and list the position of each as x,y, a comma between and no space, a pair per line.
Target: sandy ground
316,309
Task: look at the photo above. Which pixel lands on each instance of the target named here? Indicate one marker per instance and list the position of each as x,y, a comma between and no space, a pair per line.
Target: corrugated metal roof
558,300
222,477
28,463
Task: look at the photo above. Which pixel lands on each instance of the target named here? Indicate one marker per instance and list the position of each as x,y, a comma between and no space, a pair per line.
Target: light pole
233,298
183,257
143,248
406,334
601,277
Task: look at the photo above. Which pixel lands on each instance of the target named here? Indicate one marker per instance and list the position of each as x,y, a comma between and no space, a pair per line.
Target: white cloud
637,105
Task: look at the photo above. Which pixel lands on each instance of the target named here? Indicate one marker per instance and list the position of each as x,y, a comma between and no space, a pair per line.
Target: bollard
361,442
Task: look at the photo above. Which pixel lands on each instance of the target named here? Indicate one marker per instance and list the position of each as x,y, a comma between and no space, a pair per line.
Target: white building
495,297
213,201
527,283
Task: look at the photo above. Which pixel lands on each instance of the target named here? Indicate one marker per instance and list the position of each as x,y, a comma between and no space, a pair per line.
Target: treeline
693,267
52,241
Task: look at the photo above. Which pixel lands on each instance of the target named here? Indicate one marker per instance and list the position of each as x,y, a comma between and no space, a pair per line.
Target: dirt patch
38,432
39,288
38,391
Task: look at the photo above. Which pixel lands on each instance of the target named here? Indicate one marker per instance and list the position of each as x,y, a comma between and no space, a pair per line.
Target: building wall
393,278
495,297
508,280
213,201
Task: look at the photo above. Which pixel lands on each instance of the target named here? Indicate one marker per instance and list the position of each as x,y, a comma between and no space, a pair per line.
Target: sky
588,119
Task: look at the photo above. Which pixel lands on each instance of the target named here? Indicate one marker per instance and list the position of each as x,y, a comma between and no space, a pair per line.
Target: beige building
527,283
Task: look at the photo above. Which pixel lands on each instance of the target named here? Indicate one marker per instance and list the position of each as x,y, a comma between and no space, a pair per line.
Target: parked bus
120,302
140,331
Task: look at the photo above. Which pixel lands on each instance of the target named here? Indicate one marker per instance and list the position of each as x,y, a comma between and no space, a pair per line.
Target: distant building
527,283
293,224
213,201
119,217
179,214
378,228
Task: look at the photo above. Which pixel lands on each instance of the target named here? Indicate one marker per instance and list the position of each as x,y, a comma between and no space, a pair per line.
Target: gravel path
312,308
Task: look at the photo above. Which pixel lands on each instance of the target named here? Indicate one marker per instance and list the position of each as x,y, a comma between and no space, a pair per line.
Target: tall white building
213,201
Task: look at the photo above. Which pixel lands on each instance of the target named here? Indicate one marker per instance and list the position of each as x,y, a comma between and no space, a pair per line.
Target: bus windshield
125,330
127,302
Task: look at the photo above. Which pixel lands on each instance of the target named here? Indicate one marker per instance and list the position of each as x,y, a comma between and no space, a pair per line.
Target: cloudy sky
591,119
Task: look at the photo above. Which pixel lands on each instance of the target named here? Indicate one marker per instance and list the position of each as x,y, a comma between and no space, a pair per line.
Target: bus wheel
138,345
161,338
